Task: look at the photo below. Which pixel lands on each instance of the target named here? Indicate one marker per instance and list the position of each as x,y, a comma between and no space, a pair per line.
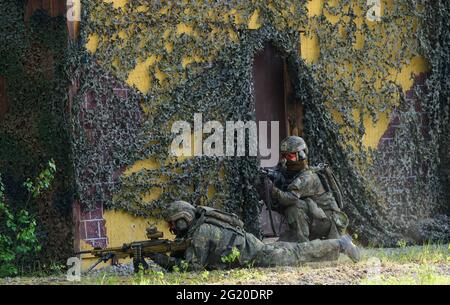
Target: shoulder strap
298,175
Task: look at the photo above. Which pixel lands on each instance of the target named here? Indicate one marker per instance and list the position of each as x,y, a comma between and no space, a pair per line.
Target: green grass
177,278
425,257
426,254
426,265
424,275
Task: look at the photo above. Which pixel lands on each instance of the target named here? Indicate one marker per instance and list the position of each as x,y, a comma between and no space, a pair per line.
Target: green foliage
401,243
57,268
205,276
18,228
108,280
43,181
152,277
231,257
33,58
17,237
183,267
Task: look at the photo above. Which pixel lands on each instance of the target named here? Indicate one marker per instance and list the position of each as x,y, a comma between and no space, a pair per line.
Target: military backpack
329,182
219,218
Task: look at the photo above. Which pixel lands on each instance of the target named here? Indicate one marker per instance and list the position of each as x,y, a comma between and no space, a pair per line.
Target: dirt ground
407,265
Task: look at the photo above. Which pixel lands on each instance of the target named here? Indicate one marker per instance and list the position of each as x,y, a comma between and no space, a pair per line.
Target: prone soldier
214,234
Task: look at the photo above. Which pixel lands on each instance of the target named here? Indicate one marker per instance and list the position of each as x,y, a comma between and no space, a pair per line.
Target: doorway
275,101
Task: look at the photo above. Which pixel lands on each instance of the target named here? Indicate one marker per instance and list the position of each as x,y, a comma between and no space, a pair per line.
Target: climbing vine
33,50
197,58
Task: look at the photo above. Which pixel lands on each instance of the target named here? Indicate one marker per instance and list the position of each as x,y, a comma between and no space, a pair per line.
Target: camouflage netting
33,130
199,59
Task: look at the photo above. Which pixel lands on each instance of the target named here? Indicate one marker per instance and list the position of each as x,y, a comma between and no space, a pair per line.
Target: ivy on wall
34,129
198,57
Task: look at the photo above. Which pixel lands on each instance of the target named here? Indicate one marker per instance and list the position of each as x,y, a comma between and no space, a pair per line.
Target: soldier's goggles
295,156
291,156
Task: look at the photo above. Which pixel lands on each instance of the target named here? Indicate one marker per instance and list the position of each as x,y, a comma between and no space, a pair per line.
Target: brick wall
402,184
395,123
91,226
101,118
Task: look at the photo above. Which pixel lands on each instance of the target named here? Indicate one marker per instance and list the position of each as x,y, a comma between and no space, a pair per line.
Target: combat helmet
179,210
294,144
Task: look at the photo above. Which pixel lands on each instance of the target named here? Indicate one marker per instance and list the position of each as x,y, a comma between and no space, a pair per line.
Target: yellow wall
117,3
122,227
403,79
310,52
140,76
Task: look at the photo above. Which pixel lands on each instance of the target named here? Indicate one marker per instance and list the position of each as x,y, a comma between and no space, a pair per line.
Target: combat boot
349,248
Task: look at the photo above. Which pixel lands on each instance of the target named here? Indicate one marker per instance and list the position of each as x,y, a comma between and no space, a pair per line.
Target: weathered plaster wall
150,76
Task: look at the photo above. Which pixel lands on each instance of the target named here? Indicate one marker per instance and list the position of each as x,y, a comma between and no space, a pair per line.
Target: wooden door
268,83
269,89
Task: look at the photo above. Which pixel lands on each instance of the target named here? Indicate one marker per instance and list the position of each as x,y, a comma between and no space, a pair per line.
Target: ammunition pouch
332,226
340,219
314,209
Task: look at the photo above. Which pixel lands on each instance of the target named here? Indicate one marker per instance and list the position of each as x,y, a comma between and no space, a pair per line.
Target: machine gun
138,250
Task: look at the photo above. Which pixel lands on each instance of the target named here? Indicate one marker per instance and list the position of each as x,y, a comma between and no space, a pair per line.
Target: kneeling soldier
309,197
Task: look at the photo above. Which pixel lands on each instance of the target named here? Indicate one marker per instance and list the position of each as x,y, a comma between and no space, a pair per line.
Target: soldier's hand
269,185
160,259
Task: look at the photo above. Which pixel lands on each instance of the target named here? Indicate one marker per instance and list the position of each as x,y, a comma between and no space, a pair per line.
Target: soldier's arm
290,196
165,261
192,261
197,254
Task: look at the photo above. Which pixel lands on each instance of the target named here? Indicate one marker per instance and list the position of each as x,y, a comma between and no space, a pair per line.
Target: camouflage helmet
293,144
179,210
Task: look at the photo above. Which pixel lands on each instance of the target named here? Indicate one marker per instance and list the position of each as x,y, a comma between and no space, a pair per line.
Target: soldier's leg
298,225
320,229
339,222
334,232
327,228
287,253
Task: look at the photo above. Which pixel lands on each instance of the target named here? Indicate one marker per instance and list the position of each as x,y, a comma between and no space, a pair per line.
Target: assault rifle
274,175
138,250
278,180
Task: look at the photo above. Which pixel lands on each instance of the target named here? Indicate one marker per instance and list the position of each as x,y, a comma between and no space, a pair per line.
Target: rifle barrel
83,252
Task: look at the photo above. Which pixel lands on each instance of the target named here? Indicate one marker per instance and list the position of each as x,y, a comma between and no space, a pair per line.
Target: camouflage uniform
213,240
310,210
210,243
